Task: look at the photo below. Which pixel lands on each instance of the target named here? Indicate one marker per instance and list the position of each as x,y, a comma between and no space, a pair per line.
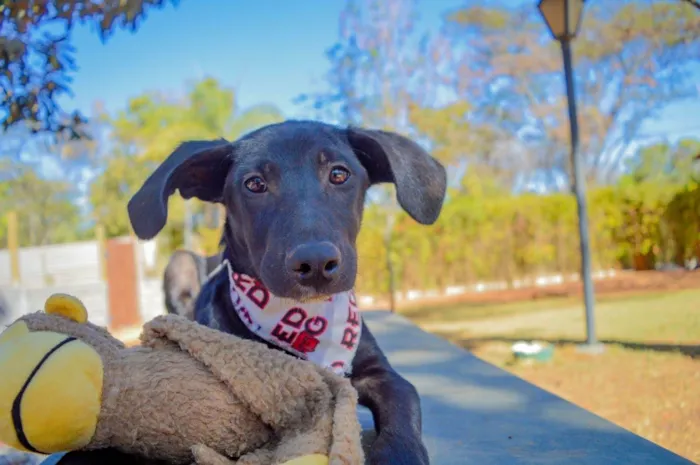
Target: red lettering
353,316
305,342
294,317
282,335
338,365
252,288
316,326
241,281
259,295
349,338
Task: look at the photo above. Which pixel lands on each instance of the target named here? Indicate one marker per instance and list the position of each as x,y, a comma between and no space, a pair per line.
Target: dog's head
294,193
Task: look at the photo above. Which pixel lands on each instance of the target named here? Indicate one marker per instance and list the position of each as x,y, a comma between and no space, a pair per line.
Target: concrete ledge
476,413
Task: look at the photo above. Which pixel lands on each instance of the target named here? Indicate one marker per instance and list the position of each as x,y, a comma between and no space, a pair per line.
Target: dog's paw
389,449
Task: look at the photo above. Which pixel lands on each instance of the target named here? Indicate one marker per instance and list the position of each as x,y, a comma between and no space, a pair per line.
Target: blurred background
96,93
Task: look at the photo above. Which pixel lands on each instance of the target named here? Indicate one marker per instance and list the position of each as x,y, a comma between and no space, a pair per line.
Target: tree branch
694,3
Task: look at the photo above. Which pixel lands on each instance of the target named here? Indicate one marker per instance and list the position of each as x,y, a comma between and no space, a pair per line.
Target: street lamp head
563,17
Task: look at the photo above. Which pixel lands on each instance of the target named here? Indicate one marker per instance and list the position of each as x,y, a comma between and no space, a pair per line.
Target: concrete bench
476,413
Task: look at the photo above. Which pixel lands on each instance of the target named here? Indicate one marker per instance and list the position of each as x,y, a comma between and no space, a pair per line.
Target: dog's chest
325,332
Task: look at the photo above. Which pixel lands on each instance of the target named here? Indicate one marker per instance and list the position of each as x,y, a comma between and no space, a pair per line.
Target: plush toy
187,394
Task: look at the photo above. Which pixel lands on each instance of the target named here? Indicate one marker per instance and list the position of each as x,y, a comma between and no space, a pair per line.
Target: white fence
74,269
54,265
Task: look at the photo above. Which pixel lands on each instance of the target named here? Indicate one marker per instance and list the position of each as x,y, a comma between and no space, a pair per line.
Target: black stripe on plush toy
16,405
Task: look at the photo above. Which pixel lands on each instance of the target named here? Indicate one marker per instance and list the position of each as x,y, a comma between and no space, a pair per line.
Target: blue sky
269,50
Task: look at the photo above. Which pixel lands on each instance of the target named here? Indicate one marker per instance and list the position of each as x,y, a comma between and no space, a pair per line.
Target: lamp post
563,18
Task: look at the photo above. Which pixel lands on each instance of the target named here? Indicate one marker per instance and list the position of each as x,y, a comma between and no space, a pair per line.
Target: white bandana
324,332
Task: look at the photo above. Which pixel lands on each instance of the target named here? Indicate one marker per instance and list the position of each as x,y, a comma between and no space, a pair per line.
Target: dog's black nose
314,263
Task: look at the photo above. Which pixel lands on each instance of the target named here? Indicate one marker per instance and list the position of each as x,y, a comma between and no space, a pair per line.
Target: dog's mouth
304,295
304,300
313,299
301,294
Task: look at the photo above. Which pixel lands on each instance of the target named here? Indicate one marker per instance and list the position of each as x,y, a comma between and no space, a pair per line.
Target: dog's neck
236,252
324,331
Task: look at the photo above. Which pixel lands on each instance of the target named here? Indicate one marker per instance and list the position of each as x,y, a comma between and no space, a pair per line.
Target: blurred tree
663,162
78,154
47,210
372,66
682,218
446,128
35,183
147,131
71,161
37,59
632,58
455,139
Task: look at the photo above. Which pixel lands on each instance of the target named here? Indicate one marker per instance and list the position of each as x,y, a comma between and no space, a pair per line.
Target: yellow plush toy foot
67,306
50,380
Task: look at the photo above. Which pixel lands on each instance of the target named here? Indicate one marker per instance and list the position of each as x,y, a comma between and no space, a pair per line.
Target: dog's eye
256,185
339,175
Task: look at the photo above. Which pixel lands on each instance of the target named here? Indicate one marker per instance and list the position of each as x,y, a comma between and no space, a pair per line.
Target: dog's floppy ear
196,168
421,181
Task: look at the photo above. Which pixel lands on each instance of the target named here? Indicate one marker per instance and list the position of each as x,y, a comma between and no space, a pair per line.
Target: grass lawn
648,379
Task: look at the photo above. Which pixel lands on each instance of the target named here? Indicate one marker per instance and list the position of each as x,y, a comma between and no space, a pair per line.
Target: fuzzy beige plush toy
187,394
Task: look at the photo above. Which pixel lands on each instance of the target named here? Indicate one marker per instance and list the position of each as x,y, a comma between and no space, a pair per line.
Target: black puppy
294,194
